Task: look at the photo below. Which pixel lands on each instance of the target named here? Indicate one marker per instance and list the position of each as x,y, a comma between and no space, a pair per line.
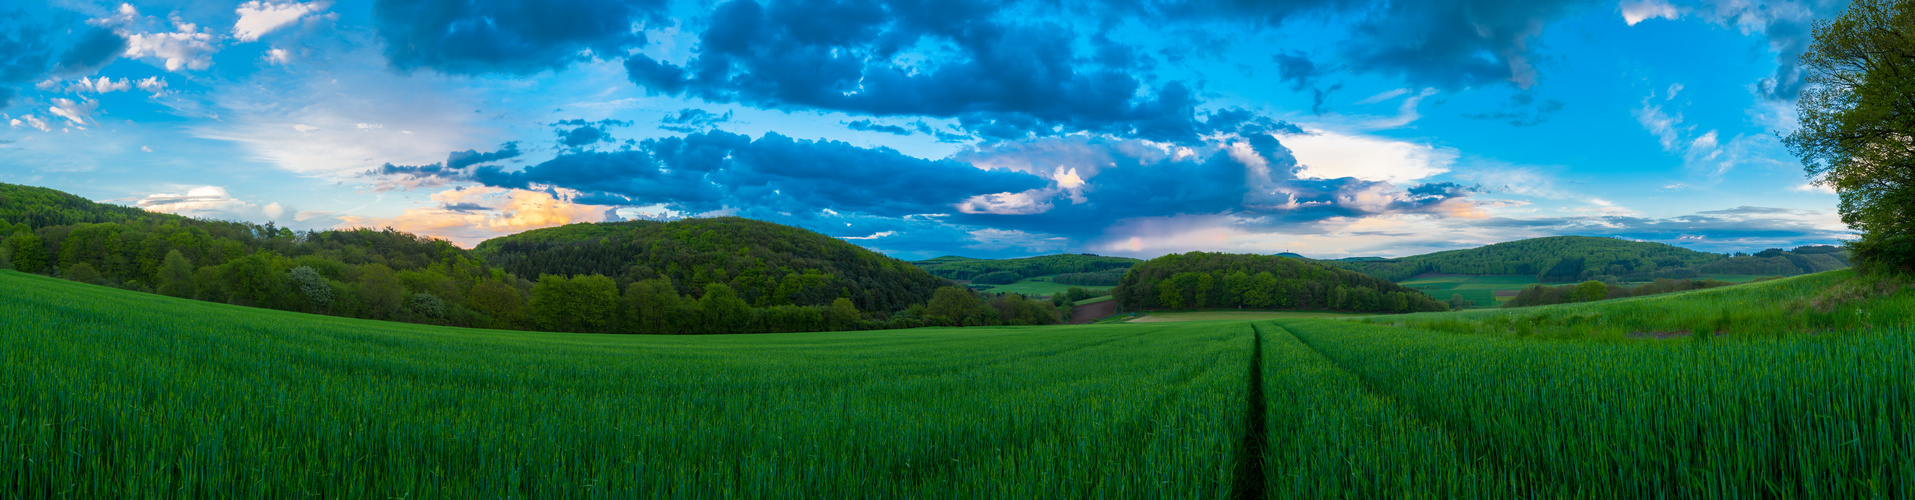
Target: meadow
1179,316
1481,290
1037,286
113,393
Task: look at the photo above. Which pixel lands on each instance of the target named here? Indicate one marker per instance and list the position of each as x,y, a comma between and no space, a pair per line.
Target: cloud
32,122
257,18
1453,44
1523,110
1295,67
580,133
1811,187
510,36
689,120
181,50
25,53
1786,25
78,112
467,216
1406,113
95,49
1636,11
1000,79
208,202
869,126
873,236
1329,155
99,85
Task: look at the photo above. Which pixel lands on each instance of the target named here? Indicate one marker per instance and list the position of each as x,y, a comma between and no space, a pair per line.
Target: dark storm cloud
510,36
95,49
581,133
24,52
456,162
1003,80
1296,68
869,126
1454,43
690,120
716,170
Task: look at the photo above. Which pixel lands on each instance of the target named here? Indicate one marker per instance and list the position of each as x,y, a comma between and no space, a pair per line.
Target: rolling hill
1203,280
766,264
1564,259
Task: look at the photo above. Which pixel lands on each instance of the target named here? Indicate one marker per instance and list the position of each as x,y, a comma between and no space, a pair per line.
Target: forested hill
1202,280
1561,259
964,268
766,264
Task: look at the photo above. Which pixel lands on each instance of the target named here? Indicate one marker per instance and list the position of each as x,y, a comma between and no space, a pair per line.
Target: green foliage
176,276
997,278
1200,280
721,311
379,291
1857,130
307,281
952,304
1108,277
766,264
844,314
29,253
654,306
84,273
584,304
428,305
960,268
1589,291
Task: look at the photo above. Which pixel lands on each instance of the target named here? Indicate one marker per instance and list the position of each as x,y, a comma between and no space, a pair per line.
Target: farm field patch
1037,286
1169,317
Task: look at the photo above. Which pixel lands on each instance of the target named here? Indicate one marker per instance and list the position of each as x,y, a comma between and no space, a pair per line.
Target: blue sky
983,128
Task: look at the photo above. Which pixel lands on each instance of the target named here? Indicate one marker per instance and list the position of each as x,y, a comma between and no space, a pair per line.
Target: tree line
1572,259
718,287
1000,270
1203,280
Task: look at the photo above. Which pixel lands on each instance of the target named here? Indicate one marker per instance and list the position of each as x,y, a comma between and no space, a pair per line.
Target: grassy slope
1827,301
108,393
1040,286
1169,317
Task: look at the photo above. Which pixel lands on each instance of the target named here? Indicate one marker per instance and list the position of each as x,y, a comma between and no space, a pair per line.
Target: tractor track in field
1249,480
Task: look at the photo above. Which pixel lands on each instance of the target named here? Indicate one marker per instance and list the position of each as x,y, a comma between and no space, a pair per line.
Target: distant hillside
998,271
1202,280
356,273
1562,259
766,264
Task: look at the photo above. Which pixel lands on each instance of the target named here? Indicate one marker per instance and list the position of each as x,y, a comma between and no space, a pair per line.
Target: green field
1166,317
109,393
1038,286
1094,300
1482,289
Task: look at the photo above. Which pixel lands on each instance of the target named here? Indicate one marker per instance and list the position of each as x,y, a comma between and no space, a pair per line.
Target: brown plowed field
1089,313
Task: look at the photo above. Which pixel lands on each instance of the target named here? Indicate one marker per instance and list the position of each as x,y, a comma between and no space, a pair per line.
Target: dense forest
716,276
1007,271
766,264
1569,259
1202,280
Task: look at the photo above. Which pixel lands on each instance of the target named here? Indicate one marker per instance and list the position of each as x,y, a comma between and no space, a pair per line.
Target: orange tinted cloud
468,216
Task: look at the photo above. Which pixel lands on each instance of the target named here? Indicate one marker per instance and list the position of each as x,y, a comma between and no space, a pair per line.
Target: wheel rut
1249,480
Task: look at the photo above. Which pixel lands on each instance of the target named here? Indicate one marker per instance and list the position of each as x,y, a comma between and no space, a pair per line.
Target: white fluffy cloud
1330,155
210,202
99,85
1636,11
78,112
183,49
258,18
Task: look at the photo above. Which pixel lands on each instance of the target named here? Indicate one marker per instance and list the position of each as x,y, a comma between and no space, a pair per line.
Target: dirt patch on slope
1090,313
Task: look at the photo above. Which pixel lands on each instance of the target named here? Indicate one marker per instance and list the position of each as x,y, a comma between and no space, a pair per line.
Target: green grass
1093,300
108,393
1832,301
1040,286
1166,317
1481,290
1807,393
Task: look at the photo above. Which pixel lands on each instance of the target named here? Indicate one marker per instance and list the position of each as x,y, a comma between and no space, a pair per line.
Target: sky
919,128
